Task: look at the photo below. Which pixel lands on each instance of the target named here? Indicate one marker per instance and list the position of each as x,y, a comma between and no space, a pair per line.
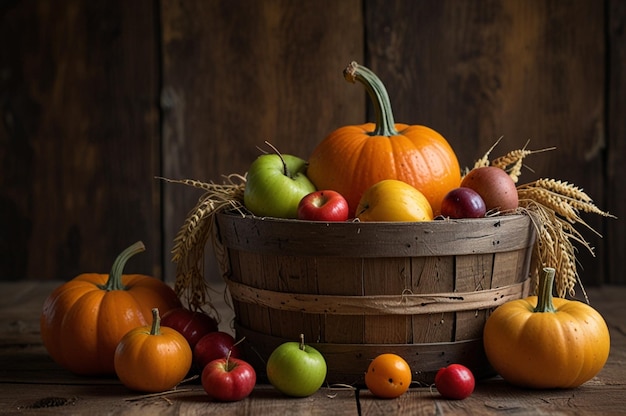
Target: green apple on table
296,369
275,184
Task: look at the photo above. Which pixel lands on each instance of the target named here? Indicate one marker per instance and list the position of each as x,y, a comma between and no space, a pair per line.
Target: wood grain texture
80,143
423,290
96,99
273,236
616,146
239,73
32,383
522,70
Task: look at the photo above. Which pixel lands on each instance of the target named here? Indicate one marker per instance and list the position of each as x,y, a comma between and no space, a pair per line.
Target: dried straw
553,205
199,226
555,208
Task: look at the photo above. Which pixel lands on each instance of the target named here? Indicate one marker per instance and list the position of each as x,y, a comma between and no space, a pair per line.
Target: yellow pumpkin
84,319
353,158
545,342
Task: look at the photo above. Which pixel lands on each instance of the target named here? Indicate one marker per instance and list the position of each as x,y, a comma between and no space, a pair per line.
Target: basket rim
503,233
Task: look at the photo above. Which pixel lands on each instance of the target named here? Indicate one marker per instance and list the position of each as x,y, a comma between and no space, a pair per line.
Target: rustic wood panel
517,69
238,73
616,146
79,143
98,98
30,378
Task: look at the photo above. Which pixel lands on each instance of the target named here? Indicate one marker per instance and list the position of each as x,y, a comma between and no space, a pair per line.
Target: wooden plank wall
99,98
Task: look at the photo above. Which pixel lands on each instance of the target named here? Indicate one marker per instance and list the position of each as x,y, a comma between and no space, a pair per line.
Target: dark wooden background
98,98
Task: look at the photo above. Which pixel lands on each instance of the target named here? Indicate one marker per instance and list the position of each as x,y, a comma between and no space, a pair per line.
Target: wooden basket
356,290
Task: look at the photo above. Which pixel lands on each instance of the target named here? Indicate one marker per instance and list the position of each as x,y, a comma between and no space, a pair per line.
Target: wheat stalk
555,208
197,229
553,205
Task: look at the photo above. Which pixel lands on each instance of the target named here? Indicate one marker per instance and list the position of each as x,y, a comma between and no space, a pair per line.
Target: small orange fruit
388,376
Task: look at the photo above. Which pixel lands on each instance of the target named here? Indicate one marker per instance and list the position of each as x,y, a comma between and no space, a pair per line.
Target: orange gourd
545,342
84,319
353,158
152,358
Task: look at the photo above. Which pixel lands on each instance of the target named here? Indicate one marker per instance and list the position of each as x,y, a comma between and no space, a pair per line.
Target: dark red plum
463,203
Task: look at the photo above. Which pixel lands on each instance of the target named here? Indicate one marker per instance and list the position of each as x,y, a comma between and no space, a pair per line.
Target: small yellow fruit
393,200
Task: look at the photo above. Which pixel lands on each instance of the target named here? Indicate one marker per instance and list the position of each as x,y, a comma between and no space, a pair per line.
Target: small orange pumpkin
84,319
152,358
353,158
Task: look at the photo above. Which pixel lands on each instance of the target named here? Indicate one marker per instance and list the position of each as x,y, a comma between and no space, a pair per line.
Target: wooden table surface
32,384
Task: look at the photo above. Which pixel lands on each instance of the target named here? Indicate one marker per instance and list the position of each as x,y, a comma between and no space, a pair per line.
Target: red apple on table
463,203
455,382
214,345
325,205
228,379
193,325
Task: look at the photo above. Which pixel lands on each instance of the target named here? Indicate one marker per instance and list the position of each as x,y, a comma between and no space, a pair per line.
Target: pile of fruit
98,324
140,329
386,171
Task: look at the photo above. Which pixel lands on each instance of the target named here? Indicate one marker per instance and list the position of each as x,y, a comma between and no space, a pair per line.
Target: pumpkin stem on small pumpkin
544,295
156,322
385,125
115,276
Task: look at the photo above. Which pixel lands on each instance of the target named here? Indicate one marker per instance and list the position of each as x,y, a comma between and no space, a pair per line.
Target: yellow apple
393,200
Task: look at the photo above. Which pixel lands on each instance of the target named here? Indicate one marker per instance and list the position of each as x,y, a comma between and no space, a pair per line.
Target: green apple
296,369
275,184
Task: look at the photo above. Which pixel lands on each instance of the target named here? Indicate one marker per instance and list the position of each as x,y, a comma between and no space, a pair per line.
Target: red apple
228,379
463,203
214,345
323,206
192,325
455,381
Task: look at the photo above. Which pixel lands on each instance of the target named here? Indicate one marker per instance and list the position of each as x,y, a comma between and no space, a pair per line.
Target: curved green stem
115,276
156,322
544,296
385,125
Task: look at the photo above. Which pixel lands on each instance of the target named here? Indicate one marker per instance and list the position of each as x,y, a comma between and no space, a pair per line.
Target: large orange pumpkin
85,318
353,158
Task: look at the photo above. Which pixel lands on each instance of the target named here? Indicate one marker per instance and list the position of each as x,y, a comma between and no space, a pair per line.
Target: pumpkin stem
115,276
544,296
385,125
156,322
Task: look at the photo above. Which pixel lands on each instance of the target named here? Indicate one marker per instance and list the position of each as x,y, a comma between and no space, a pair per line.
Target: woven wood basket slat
356,290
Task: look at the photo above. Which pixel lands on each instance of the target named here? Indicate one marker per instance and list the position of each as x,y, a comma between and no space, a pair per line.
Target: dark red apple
463,203
193,325
455,382
214,345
